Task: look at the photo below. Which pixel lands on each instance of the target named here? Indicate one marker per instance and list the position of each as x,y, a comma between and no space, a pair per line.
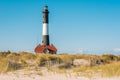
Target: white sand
32,75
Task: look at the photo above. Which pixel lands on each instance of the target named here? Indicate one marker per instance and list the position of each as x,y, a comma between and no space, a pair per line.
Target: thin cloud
117,50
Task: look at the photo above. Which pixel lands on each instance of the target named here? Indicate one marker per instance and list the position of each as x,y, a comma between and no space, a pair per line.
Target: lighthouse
45,47
45,33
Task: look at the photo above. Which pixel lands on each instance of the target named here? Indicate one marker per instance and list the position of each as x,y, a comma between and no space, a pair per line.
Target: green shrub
108,58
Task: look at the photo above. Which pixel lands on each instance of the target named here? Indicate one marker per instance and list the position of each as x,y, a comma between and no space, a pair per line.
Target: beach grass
61,63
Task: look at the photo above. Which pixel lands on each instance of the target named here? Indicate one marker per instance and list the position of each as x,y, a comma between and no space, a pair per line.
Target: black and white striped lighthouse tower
45,47
45,33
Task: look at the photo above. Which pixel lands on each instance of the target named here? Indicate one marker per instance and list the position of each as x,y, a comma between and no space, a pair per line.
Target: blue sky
76,26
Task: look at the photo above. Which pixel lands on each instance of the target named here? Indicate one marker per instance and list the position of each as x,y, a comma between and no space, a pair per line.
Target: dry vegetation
104,65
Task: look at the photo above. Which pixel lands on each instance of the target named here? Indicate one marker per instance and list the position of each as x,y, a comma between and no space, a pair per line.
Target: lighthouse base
45,40
46,49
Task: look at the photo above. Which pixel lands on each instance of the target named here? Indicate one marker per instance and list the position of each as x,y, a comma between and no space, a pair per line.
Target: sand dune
46,75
